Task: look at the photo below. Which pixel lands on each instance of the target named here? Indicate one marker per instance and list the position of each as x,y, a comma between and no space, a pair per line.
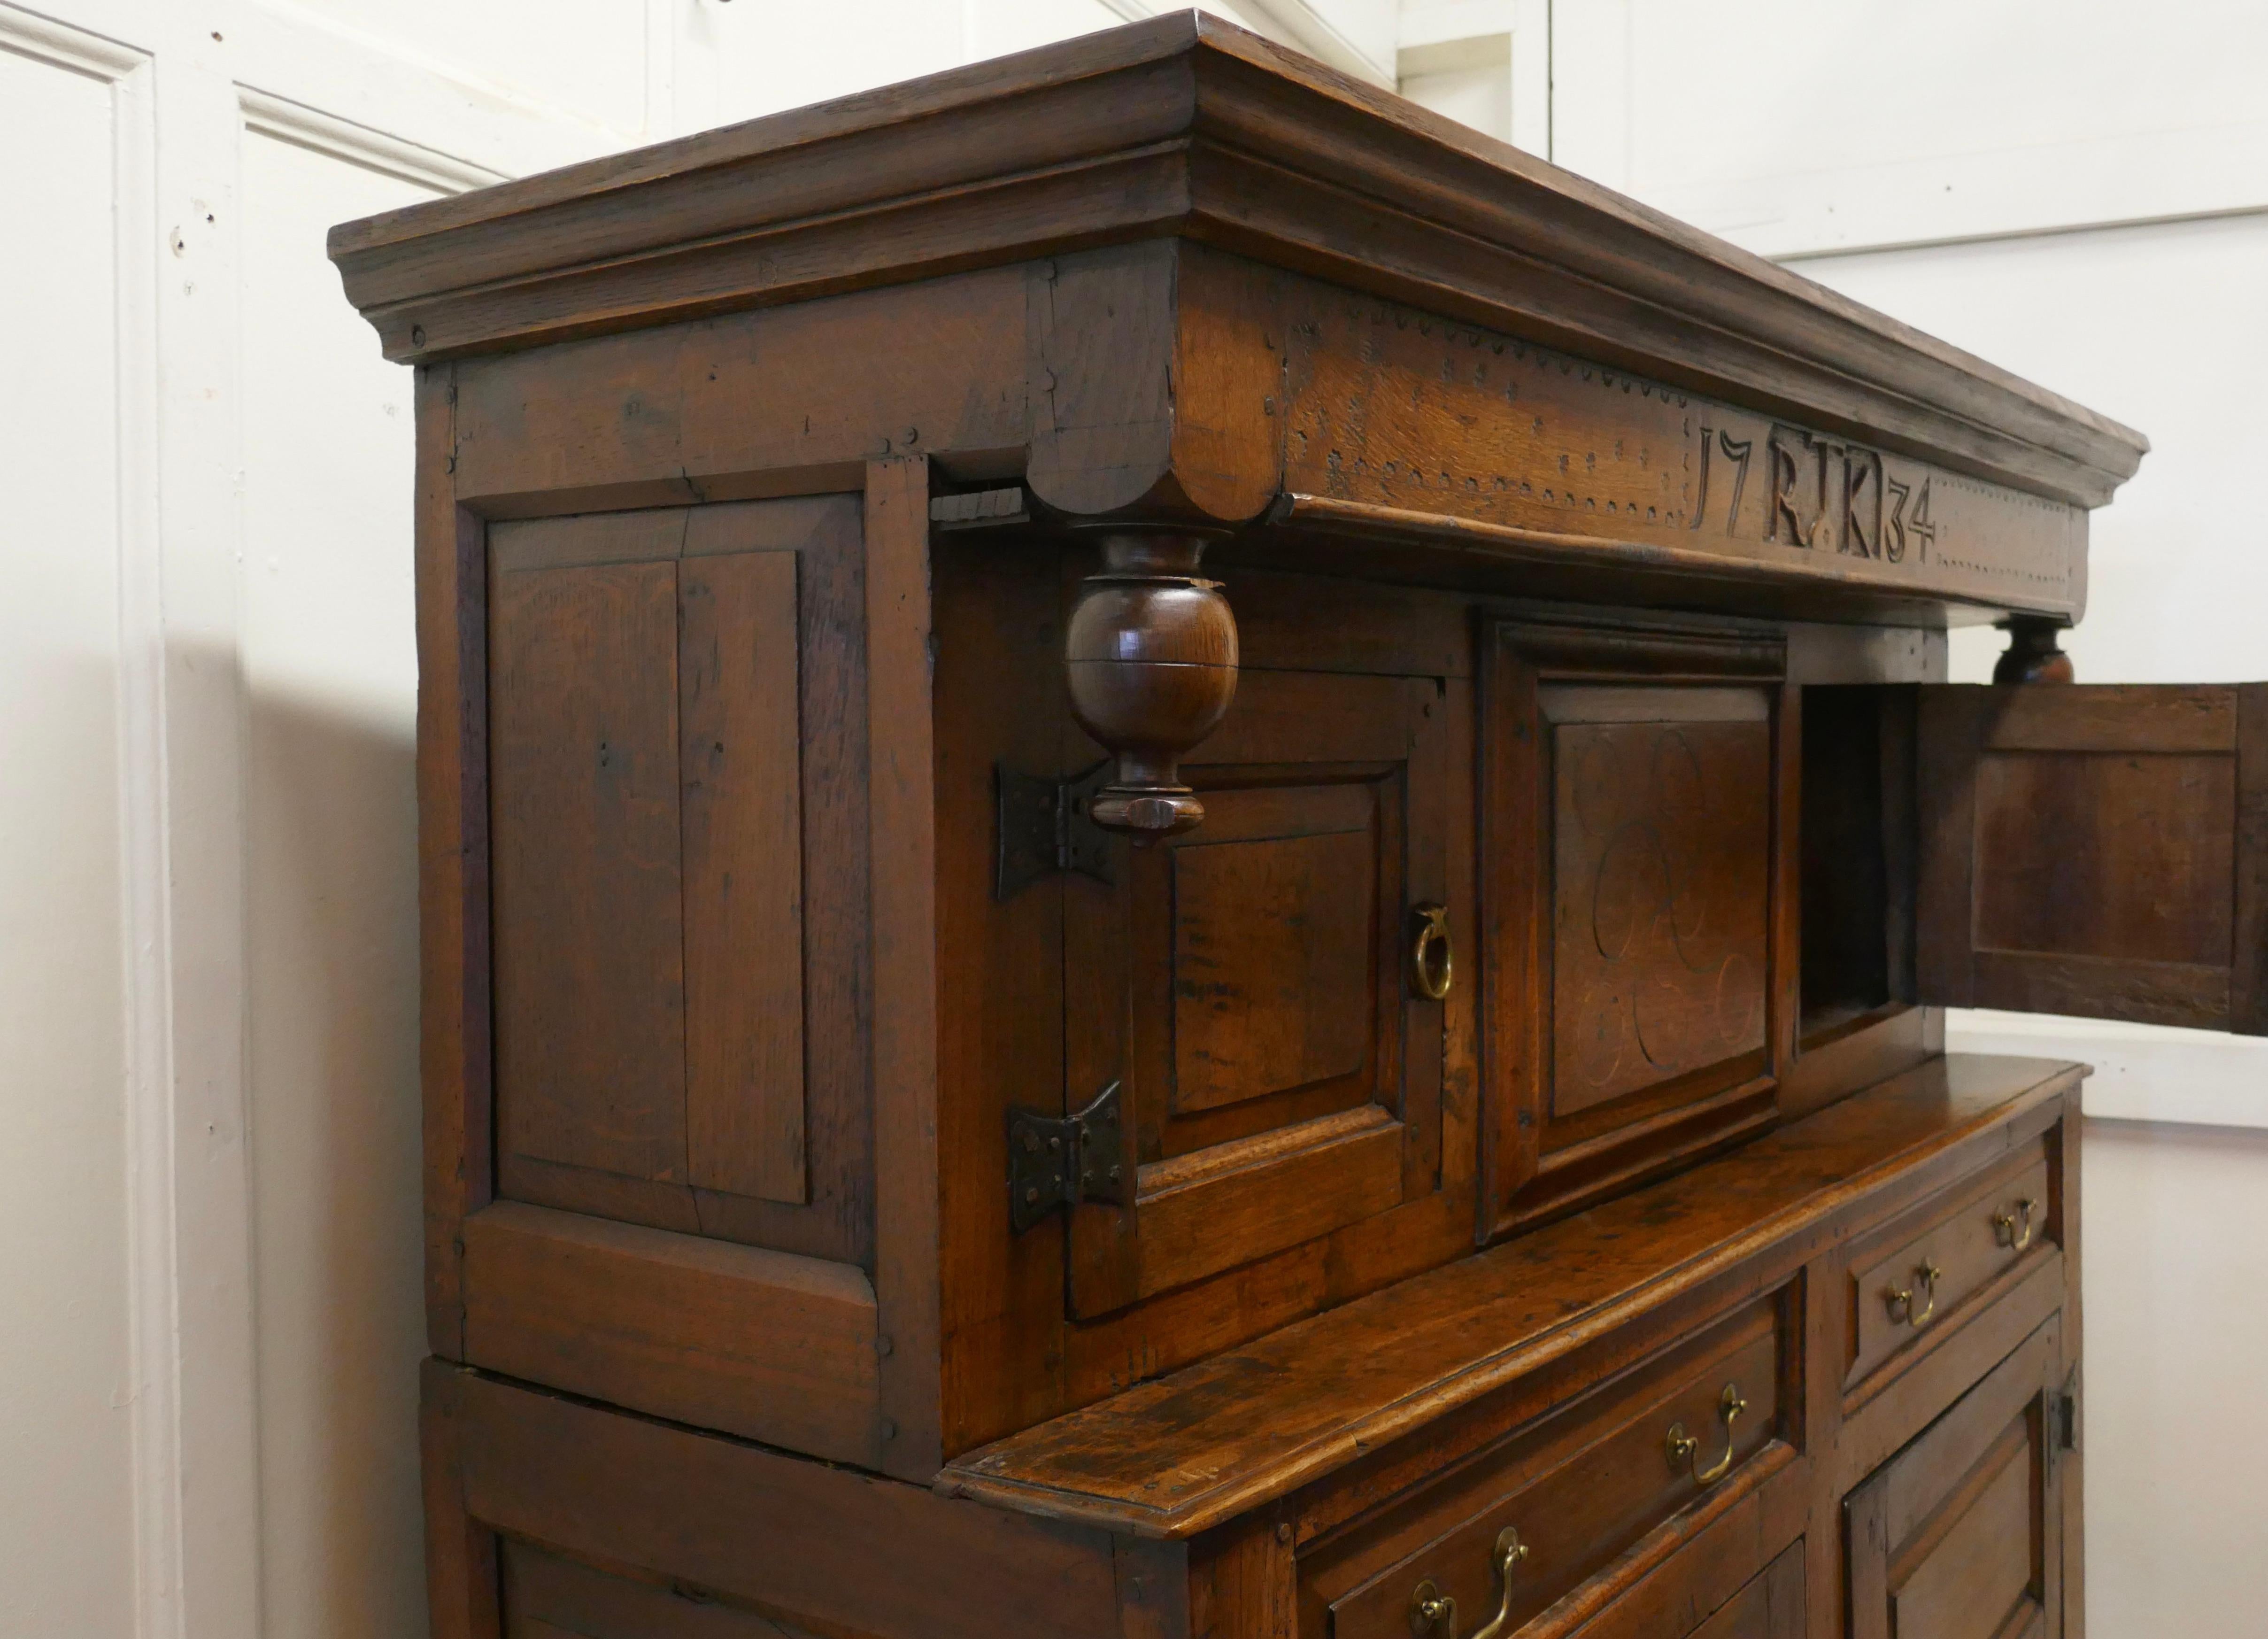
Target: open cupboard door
2100,850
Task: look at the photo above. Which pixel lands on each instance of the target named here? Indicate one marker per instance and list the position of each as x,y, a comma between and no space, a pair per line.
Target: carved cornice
1186,127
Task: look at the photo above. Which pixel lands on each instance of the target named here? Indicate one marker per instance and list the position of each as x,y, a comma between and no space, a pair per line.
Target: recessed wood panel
2096,849
589,1011
2118,855
681,870
1274,947
1661,848
1971,1586
1638,959
1281,1072
743,838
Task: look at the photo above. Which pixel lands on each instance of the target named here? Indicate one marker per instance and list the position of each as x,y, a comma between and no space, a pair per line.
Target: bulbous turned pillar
2034,653
1150,656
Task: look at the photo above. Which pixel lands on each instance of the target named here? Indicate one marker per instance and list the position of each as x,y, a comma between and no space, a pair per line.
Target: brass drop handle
1900,1299
2011,1226
1685,1451
1431,962
1432,1610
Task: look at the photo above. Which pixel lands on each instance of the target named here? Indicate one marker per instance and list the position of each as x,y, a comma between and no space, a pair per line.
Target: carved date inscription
1398,409
1660,844
1828,494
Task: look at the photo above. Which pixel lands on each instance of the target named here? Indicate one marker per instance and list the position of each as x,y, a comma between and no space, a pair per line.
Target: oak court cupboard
1191,850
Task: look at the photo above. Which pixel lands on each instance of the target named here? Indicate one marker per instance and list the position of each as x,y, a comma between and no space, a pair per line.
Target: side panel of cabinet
676,744
577,1520
675,750
2100,850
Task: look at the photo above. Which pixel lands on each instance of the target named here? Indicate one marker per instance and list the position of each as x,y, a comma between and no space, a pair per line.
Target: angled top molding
1185,127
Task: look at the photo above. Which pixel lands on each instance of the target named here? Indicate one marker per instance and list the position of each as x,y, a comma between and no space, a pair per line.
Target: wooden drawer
1580,1487
1924,1272
1770,1607
546,1595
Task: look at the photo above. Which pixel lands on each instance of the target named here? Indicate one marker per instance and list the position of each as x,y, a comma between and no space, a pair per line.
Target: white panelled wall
209,1161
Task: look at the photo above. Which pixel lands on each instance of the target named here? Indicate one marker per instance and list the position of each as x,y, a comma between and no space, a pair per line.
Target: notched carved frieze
1391,408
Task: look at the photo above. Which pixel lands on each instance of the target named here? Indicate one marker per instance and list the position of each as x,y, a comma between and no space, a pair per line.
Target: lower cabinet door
1959,1535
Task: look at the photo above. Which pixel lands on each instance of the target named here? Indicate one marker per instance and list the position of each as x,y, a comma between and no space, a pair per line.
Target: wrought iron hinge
1060,1161
1044,828
2063,1413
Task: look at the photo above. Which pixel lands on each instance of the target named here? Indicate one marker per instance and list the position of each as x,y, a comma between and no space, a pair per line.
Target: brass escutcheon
1431,961
1900,1299
1433,1612
1684,1451
2011,1226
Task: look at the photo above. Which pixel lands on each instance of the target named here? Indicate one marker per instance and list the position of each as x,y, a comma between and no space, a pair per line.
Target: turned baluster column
2034,653
1150,656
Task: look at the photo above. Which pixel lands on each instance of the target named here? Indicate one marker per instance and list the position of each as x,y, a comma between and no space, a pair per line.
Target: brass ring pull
1431,967
1901,1298
1432,1610
2011,1226
1685,1451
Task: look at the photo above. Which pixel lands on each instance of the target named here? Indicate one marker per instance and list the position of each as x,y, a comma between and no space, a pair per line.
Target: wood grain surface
2092,849
1188,125
1175,1456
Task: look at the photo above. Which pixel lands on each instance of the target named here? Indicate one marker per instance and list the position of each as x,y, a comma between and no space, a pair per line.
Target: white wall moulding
88,1372
186,162
45,39
358,145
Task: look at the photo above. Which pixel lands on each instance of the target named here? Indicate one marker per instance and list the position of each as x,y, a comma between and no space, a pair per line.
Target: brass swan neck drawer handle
2011,1226
1435,1612
1900,1299
1431,965
1684,1451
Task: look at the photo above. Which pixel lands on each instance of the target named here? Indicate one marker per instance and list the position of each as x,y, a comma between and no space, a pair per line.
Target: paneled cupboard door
2096,850
1960,1536
1251,987
1633,838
